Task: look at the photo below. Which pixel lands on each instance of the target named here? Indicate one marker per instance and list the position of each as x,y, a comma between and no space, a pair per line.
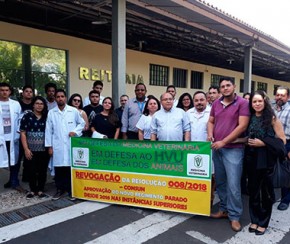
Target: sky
269,16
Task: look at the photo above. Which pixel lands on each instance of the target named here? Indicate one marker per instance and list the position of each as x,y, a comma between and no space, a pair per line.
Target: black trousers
20,157
36,169
261,195
132,135
63,178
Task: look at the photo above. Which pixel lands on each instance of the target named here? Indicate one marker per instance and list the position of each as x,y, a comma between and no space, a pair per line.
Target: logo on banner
198,165
80,157
198,161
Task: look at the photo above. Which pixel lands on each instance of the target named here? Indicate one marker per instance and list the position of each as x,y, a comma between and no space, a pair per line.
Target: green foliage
48,60
47,65
10,55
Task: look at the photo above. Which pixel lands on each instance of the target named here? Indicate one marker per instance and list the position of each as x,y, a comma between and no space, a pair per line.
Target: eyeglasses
76,100
167,99
38,103
139,90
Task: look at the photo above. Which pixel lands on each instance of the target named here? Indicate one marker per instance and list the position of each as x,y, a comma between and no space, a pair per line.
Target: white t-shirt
144,125
6,116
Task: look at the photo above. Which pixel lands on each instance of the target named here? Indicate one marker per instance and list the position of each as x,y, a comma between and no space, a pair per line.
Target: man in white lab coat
63,122
9,137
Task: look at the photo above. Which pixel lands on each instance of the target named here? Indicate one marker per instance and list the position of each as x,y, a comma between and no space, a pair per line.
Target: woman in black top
263,126
107,122
32,131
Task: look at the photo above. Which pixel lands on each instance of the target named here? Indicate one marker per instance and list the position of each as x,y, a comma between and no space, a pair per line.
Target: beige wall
83,53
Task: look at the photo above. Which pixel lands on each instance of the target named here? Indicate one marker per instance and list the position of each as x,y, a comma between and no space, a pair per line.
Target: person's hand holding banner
98,135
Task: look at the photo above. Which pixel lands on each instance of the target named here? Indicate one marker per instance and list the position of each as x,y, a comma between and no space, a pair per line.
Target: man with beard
50,89
198,116
282,110
132,112
229,118
63,122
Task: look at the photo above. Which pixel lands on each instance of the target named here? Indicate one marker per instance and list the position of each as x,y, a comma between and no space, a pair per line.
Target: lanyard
141,106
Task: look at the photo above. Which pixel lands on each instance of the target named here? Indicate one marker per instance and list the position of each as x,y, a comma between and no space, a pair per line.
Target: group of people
241,131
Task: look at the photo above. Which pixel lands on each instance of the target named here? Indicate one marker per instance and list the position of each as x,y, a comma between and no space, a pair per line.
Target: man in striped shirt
282,110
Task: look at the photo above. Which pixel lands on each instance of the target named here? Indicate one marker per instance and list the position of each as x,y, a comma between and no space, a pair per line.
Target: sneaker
71,198
30,195
58,195
283,206
42,195
7,184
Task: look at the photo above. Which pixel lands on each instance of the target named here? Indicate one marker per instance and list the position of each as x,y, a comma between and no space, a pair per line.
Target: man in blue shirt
132,112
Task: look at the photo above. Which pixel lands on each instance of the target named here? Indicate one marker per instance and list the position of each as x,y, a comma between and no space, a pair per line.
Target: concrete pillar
118,49
248,69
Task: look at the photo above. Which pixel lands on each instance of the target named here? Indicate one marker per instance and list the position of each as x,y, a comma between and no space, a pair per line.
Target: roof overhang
187,30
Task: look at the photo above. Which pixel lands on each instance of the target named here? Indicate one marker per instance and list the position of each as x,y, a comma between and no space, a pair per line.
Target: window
275,89
48,65
262,86
196,81
253,86
158,75
179,77
242,86
11,65
215,79
22,64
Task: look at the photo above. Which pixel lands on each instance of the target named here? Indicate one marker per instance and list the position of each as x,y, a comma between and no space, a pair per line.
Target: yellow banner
143,190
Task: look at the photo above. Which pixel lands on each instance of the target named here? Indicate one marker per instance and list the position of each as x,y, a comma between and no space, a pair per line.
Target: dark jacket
267,156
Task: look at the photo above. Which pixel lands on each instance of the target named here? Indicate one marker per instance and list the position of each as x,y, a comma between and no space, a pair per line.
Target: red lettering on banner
109,177
176,199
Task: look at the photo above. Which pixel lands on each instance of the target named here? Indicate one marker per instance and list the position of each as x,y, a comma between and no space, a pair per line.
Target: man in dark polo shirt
228,120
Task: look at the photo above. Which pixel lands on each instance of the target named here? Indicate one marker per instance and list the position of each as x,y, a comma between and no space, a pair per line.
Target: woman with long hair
185,102
76,101
259,160
107,122
32,132
152,105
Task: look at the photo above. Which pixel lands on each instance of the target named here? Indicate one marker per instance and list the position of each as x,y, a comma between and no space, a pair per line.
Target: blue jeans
14,169
228,163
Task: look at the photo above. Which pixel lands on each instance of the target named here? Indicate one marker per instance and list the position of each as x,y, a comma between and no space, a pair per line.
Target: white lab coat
58,126
15,111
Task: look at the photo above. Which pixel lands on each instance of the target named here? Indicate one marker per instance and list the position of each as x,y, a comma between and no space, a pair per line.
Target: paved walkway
11,199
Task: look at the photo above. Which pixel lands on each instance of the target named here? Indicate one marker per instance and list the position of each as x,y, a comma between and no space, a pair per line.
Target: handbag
280,176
